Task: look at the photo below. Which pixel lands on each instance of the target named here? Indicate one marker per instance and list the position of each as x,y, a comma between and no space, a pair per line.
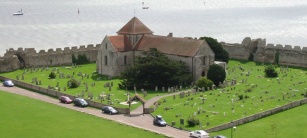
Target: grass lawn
117,95
223,105
25,117
287,124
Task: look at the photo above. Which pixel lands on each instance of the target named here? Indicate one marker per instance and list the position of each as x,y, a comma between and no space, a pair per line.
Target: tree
82,59
270,71
219,52
52,75
154,69
204,82
216,73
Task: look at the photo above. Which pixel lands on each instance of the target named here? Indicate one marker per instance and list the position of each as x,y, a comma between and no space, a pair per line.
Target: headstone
156,88
110,88
163,89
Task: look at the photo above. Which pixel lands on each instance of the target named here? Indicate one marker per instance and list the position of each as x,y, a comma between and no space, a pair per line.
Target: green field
117,95
25,117
287,124
223,105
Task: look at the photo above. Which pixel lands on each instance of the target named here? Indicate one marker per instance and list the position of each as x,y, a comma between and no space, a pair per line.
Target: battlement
286,47
32,51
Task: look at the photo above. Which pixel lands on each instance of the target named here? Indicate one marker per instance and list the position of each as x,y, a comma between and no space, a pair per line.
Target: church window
105,60
125,60
106,46
204,60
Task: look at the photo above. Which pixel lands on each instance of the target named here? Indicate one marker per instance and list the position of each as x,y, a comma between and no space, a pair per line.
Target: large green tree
219,52
155,69
216,73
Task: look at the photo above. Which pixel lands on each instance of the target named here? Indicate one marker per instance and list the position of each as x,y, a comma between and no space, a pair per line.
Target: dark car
65,99
158,120
109,110
8,83
220,136
80,102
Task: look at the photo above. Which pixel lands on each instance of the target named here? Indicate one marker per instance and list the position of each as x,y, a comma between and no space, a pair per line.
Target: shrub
204,82
270,71
52,75
73,83
192,121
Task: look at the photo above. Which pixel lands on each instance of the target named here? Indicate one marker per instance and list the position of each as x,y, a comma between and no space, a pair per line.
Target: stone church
119,52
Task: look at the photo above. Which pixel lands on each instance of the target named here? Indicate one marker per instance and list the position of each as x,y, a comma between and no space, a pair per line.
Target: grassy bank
25,117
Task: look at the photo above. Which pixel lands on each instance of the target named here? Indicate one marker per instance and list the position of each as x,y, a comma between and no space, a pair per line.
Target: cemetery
245,92
92,87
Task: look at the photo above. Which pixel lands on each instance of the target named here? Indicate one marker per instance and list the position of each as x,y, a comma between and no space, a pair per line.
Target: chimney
170,35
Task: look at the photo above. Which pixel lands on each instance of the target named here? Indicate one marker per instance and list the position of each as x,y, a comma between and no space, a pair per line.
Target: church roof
120,43
170,45
135,26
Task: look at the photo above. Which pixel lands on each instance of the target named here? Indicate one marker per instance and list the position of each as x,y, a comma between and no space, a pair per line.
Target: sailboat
144,6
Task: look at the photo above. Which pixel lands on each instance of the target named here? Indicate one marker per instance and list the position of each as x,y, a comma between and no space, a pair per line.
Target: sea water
65,23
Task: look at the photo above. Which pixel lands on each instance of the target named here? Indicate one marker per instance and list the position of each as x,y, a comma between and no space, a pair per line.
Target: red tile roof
120,43
170,45
135,26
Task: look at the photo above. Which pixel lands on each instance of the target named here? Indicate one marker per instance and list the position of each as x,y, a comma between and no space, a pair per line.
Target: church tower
134,30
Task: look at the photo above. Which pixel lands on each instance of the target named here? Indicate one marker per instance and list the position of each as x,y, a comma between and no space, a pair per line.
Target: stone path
136,119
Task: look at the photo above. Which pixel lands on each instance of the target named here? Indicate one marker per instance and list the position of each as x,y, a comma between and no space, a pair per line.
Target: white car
199,134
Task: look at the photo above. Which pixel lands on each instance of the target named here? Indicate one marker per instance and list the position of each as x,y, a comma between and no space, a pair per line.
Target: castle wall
9,64
287,55
52,57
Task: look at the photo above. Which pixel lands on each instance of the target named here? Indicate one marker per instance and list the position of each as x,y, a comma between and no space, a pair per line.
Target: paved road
136,120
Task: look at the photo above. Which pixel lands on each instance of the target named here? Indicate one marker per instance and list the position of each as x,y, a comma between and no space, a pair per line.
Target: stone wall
9,64
257,116
57,94
53,57
262,52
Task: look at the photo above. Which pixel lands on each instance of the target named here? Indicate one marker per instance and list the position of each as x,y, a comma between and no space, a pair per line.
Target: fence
54,93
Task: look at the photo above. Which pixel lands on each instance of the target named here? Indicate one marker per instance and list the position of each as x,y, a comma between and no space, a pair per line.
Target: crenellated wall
285,55
15,59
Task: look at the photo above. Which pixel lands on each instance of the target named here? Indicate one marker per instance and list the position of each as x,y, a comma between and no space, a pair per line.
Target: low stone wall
257,116
54,93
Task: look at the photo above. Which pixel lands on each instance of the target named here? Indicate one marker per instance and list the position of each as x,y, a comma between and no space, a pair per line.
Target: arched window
106,45
125,60
105,60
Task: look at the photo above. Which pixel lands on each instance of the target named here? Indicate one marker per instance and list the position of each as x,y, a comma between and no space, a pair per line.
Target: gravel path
136,119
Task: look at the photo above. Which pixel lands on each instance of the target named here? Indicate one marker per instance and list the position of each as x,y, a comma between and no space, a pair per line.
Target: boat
18,13
144,6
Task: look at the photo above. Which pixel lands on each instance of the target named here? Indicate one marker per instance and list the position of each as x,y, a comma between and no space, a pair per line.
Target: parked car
8,83
80,102
220,136
158,120
199,134
109,110
65,99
